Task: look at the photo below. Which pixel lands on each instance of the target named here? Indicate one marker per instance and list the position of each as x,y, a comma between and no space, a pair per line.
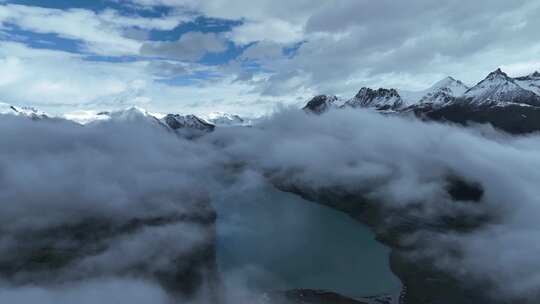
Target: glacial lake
276,240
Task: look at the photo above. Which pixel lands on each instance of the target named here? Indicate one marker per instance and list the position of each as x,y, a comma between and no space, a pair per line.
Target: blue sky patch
42,40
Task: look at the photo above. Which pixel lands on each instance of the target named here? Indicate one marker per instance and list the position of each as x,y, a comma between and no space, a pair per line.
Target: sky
249,57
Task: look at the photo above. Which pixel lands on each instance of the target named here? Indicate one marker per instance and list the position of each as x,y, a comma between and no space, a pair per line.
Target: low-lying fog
56,173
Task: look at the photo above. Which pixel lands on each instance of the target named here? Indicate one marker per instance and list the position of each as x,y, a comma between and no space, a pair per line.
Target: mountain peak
450,83
321,103
498,74
29,112
379,92
495,78
226,119
380,99
444,91
187,122
129,114
449,79
530,82
533,76
499,89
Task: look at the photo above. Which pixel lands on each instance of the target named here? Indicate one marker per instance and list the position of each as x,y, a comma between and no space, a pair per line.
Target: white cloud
191,46
280,22
101,33
274,30
263,50
350,44
345,44
56,82
44,77
292,11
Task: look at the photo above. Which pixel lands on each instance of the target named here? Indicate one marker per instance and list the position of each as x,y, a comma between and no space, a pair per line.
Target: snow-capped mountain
530,82
29,112
381,99
321,103
443,92
130,115
225,119
87,116
500,89
140,115
510,104
498,100
187,122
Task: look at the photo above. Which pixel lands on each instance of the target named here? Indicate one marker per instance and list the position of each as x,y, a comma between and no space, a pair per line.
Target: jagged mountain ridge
510,104
21,111
321,103
390,99
380,99
174,122
496,87
499,89
530,82
226,119
443,91
192,122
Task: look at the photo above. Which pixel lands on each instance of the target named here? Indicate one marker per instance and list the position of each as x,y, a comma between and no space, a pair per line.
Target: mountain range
510,104
21,111
176,122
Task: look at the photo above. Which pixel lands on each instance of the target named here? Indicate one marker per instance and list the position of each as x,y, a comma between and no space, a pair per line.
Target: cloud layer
403,164
256,53
57,173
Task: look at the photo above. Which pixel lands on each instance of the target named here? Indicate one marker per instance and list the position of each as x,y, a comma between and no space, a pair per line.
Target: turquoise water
279,241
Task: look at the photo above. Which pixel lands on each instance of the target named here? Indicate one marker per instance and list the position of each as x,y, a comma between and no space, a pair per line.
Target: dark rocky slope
320,104
512,118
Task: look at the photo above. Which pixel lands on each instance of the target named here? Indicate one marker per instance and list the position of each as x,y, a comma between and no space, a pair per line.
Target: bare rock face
380,99
512,118
187,122
320,104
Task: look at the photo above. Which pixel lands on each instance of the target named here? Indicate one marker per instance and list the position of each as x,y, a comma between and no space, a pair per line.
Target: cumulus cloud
403,164
101,33
88,203
349,44
191,46
277,31
263,50
60,82
333,48
56,78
